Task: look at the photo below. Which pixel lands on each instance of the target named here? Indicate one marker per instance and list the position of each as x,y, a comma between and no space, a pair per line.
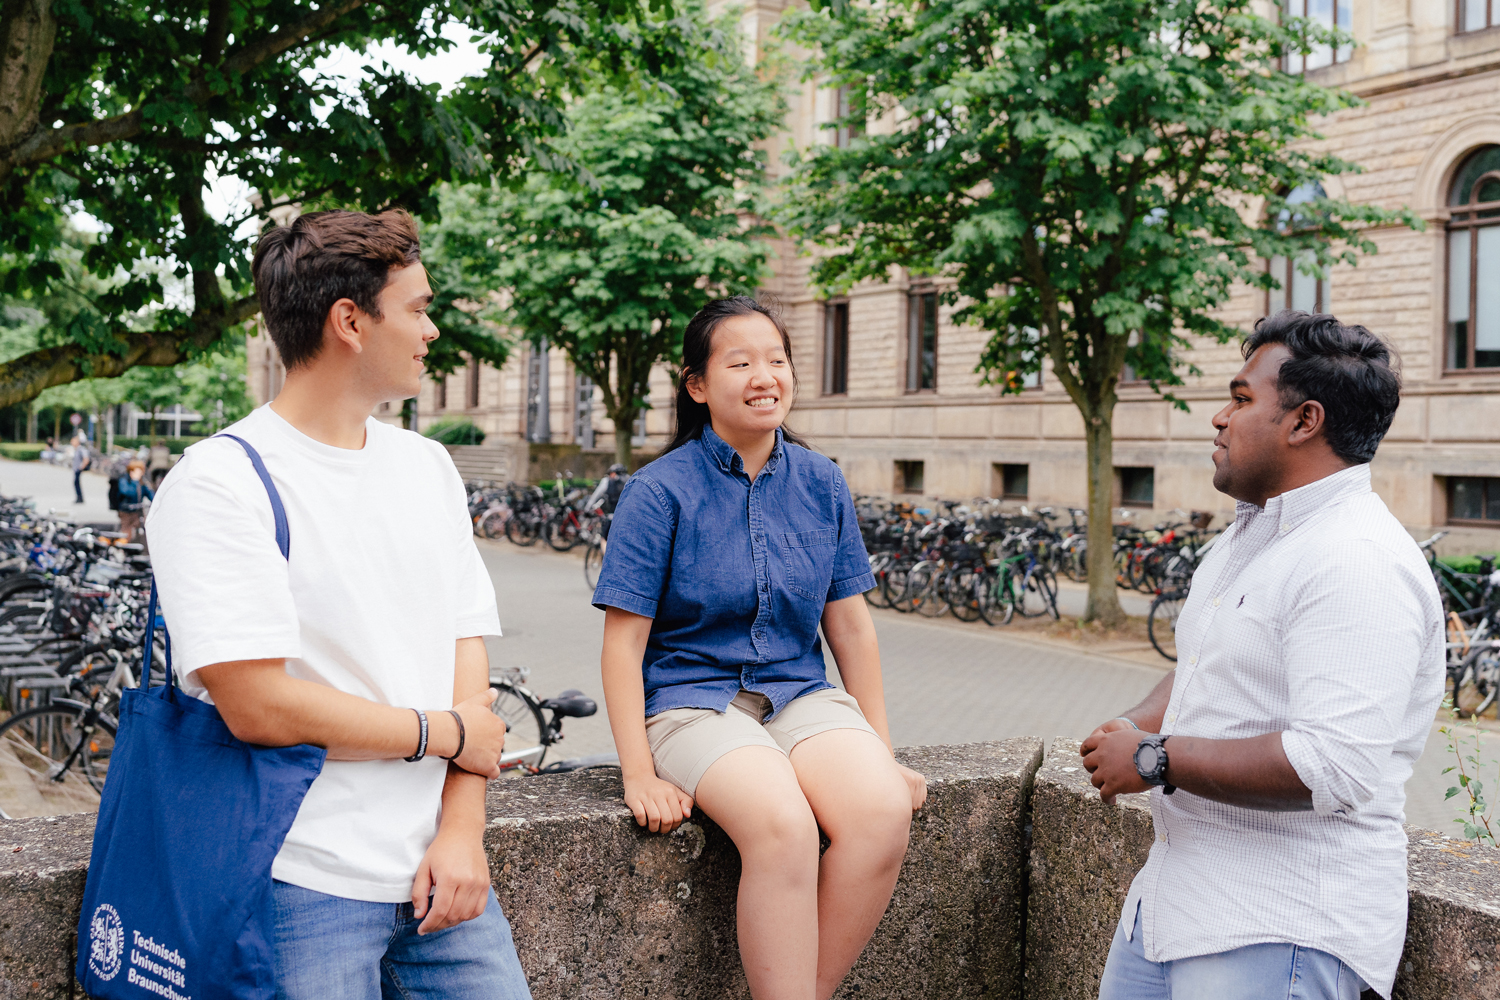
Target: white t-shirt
383,579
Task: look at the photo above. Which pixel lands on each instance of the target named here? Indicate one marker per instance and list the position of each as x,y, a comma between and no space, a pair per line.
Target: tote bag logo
106,942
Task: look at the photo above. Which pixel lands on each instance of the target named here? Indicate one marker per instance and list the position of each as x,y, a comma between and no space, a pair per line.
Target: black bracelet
422,740
460,720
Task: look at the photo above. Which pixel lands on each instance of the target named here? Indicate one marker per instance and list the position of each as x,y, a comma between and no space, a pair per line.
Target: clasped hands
1109,757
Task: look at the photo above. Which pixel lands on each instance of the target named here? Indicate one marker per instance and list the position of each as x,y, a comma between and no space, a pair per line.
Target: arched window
1299,290
1474,264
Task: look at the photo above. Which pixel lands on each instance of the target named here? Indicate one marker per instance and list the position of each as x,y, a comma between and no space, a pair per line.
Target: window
1299,290
471,390
1476,15
909,477
1474,264
1010,482
1472,499
583,412
921,341
1328,13
843,134
1137,486
835,348
440,392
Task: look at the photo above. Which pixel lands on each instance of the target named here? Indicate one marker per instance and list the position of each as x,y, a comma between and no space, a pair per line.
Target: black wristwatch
1151,762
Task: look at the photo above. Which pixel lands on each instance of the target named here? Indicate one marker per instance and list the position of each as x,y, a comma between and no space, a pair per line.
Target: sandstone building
887,383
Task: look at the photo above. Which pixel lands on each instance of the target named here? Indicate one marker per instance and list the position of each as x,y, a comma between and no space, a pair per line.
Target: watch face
1147,759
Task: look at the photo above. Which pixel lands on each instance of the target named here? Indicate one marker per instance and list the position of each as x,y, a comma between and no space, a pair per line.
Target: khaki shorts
685,742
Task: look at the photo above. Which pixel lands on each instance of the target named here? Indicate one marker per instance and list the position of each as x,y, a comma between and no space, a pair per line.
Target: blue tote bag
178,899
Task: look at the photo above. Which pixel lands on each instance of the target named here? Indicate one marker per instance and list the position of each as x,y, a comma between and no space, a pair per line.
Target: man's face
1251,445
395,344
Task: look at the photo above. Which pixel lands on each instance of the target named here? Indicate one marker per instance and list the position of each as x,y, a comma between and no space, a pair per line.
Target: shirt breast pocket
809,561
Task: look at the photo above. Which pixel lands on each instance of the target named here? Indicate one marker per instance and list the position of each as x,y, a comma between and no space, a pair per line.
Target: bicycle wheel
561,533
593,558
962,594
1161,622
492,522
893,584
521,530
925,583
876,596
1077,566
996,597
1039,593
56,758
524,749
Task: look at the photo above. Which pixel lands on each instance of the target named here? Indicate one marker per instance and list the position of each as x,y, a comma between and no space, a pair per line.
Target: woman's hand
916,783
658,805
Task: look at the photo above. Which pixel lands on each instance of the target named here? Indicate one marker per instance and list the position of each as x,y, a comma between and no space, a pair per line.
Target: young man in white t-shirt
375,622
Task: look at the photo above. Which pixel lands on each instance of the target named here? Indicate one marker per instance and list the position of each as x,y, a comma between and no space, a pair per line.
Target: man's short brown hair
301,270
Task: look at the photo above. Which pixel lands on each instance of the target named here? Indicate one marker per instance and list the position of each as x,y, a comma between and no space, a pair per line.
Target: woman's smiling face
747,383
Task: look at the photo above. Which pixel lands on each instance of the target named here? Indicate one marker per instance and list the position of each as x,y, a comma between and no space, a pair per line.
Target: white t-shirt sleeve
476,611
223,583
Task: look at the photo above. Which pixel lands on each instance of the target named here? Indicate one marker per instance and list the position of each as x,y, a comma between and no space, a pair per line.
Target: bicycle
529,733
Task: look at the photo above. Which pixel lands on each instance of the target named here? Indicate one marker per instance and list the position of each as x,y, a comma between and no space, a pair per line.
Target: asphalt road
946,681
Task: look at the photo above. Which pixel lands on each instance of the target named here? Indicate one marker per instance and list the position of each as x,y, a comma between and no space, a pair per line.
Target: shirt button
1193,660
1162,837
1172,717
1217,600
1285,528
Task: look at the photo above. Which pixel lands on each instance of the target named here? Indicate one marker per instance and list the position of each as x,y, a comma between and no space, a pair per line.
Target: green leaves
1092,165
610,257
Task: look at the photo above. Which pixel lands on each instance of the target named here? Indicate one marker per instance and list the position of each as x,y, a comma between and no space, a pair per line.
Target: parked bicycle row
1471,600
73,605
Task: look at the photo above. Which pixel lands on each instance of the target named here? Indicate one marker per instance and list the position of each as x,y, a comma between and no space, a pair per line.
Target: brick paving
945,681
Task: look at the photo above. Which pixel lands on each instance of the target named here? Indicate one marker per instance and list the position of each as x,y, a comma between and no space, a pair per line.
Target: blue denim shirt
734,573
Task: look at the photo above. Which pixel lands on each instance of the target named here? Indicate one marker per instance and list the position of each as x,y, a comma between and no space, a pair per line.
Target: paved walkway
946,681
51,486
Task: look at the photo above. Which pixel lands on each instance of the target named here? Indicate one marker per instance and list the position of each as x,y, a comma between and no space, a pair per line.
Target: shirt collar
728,459
1295,506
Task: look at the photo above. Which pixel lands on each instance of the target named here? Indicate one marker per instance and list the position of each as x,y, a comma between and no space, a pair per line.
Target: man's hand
457,875
484,734
1109,755
1112,726
657,804
916,783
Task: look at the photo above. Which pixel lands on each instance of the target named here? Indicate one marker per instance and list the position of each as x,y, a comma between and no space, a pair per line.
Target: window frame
471,385
1337,56
1124,501
440,392
1320,296
835,348
1491,17
1472,224
1491,483
900,467
915,312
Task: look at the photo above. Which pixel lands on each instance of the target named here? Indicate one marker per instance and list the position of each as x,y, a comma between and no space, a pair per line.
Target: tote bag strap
283,542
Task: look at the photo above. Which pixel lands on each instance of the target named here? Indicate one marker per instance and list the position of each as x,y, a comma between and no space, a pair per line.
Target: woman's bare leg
753,794
864,807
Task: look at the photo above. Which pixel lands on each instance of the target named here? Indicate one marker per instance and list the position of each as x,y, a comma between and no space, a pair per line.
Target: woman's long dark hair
697,346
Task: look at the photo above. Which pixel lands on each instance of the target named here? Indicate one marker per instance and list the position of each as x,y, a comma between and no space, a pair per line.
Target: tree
610,267
124,111
1091,176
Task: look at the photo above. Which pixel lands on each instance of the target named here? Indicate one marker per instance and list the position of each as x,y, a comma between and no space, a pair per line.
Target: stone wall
602,910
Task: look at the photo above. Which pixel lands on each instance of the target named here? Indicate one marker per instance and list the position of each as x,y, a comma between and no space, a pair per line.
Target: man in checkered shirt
1310,665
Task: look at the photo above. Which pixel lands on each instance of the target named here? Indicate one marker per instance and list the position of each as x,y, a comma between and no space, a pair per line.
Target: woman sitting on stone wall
726,554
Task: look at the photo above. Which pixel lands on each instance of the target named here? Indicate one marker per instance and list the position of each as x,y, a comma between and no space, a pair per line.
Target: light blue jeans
331,948
1255,972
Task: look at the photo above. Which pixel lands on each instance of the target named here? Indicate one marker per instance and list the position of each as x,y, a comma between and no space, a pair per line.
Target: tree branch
254,54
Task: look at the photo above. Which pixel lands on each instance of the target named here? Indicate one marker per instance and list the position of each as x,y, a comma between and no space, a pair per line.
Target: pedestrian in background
730,551
1310,665
130,494
606,495
81,461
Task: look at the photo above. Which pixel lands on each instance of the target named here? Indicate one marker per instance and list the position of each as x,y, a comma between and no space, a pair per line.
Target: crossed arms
262,704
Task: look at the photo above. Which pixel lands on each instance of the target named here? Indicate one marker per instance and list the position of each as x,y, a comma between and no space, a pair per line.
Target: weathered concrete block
601,909
1084,855
43,863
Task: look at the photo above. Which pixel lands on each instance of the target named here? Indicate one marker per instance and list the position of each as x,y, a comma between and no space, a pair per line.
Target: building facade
886,380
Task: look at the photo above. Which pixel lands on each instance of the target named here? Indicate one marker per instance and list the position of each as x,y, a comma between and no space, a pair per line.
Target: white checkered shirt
1315,617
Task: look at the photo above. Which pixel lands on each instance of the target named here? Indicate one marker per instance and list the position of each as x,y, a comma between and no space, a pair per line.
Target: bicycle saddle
572,704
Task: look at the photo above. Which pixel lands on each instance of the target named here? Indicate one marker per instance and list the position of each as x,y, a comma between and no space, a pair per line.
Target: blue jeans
330,948
1255,972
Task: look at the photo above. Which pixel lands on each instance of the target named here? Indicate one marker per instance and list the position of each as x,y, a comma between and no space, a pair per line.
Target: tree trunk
1104,599
623,434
